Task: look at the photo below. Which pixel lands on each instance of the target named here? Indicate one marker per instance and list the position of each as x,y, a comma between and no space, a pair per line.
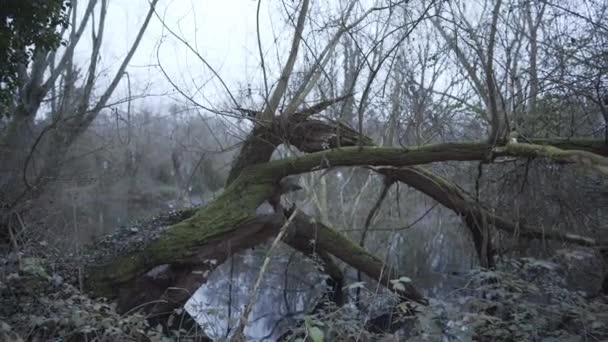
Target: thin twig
239,332
368,221
262,64
13,238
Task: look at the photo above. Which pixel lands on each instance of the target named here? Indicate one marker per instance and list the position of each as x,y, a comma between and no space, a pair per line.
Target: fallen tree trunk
231,216
454,199
188,242
585,158
188,250
331,241
596,146
185,277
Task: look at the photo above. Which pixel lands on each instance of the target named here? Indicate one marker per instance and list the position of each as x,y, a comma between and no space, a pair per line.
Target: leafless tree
455,99
55,105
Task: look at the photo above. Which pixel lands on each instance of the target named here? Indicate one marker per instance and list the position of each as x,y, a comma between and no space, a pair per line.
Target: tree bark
168,286
471,211
229,224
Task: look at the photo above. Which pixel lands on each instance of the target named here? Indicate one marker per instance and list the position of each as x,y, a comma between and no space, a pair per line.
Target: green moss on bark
179,243
257,183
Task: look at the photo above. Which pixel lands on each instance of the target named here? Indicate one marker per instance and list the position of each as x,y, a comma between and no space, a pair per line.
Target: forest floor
523,299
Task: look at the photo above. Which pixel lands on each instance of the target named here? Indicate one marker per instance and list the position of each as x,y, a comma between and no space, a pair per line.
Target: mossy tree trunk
188,250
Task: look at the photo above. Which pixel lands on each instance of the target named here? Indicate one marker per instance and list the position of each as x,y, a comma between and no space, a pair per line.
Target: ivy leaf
316,334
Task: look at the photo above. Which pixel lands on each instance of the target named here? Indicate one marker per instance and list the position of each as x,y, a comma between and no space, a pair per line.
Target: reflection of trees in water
290,288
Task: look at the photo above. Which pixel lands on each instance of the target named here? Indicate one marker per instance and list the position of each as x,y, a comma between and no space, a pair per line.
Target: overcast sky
223,32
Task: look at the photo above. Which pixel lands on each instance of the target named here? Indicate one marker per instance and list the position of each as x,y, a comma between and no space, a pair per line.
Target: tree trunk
182,253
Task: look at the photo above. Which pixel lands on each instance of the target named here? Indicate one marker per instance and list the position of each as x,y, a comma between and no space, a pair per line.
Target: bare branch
67,55
239,331
257,25
270,109
97,38
315,71
490,81
106,95
197,54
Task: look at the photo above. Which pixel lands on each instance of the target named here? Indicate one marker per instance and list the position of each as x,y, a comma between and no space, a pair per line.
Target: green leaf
316,334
